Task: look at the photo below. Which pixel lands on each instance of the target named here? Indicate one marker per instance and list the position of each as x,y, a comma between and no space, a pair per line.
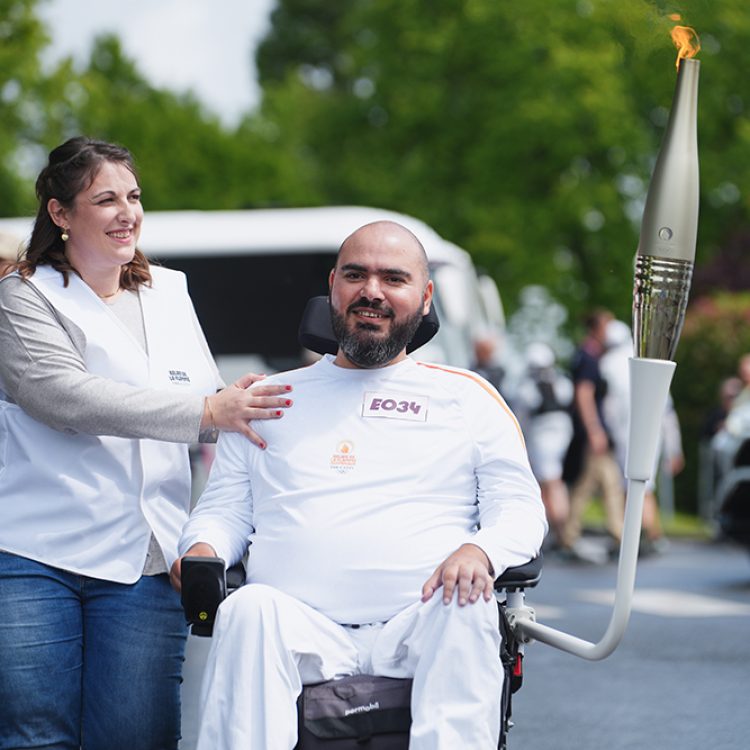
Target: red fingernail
287,387
278,413
263,446
288,403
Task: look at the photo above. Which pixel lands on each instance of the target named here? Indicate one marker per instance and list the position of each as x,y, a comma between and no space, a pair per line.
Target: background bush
716,334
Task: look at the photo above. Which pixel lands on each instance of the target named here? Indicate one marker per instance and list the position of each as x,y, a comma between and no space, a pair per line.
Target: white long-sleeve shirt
368,483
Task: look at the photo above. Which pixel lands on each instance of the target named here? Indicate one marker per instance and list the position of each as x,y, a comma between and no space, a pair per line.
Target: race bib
395,406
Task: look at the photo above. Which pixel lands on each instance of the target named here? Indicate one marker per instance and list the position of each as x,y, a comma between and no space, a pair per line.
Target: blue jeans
88,663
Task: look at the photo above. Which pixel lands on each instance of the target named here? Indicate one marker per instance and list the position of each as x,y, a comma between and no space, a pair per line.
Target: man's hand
585,400
201,549
468,569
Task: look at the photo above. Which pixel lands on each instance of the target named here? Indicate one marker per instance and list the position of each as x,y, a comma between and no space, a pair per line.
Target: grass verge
681,525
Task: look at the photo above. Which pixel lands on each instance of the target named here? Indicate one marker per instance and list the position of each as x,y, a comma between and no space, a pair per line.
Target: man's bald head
387,234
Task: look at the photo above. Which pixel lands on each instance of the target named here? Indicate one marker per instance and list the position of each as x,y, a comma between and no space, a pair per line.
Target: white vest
88,503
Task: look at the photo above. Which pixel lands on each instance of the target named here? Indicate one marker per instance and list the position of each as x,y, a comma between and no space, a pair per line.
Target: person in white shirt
377,521
543,402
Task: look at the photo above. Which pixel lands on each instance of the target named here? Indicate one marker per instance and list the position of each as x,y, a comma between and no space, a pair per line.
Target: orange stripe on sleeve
482,384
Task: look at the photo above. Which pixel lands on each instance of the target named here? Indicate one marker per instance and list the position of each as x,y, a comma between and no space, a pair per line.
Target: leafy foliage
22,38
511,128
524,132
715,335
186,158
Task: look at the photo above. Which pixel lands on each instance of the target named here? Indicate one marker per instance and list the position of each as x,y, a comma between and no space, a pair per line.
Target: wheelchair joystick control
204,587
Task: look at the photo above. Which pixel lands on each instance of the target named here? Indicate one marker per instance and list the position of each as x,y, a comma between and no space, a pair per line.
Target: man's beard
360,344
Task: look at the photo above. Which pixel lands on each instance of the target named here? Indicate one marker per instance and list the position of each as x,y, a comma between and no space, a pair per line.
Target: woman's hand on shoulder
232,408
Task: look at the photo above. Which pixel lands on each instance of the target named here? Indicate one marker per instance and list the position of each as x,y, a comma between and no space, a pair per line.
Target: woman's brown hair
72,167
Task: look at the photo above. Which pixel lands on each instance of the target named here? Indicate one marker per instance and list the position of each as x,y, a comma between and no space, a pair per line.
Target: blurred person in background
487,349
711,439
590,464
105,378
671,463
542,401
616,410
743,372
714,421
723,427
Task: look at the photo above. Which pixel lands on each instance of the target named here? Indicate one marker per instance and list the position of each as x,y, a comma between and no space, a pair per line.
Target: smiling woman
105,378
89,218
102,227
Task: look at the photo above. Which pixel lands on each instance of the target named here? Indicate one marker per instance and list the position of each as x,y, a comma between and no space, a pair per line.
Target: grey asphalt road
680,679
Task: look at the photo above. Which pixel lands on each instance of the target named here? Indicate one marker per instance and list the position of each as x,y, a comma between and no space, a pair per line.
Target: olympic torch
664,267
664,262
666,251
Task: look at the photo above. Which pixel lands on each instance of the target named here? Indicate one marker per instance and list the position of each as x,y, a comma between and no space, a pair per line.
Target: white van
251,273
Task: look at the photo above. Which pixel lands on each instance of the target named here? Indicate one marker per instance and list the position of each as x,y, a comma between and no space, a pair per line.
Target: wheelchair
360,712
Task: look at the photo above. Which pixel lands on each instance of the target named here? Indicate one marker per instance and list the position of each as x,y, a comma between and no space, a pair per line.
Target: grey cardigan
42,370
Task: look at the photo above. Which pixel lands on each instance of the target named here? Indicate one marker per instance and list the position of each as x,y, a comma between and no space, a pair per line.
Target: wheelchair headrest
316,332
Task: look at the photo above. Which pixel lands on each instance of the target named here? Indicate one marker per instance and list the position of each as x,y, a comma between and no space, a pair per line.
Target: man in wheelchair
385,504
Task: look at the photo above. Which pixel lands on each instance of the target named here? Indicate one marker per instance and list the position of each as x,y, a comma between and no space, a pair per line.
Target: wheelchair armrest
235,577
524,576
205,585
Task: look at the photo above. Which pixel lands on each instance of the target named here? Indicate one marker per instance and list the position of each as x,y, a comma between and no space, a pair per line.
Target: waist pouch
361,712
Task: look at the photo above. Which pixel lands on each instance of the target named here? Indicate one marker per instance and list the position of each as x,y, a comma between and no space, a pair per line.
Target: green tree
22,37
186,158
511,128
524,132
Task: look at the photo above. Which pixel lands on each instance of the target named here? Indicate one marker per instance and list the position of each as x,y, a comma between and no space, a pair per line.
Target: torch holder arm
650,380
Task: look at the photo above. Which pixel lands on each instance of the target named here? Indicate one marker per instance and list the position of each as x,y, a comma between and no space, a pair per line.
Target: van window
250,307
252,304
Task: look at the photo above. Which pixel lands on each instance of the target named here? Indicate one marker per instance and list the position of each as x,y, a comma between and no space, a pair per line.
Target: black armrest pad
524,576
205,584
235,577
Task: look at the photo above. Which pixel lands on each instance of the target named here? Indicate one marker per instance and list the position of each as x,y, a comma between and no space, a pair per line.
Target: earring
64,236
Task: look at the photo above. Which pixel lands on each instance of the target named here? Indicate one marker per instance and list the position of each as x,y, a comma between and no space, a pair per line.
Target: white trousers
266,645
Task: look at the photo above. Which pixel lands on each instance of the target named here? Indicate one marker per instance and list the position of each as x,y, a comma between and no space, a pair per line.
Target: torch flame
687,42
